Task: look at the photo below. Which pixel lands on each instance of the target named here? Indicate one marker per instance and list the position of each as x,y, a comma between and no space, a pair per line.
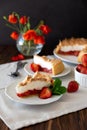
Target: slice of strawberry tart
53,66
71,46
33,85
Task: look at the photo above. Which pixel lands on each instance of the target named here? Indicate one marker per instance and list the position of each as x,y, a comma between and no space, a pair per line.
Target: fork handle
18,66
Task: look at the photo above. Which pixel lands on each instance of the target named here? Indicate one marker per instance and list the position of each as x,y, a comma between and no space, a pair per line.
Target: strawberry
84,60
72,86
84,70
35,67
79,67
45,93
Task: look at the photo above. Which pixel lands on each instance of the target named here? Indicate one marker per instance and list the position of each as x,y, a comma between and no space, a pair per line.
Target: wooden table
73,121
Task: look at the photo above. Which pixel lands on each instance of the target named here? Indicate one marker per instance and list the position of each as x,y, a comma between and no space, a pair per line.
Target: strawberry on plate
35,67
73,86
45,93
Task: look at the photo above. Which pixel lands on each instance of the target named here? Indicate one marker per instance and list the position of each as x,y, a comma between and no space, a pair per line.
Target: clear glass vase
28,48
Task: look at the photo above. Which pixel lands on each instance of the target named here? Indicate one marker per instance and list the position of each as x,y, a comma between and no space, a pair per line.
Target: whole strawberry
73,86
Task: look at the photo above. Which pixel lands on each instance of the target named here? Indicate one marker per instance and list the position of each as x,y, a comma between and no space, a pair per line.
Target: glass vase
28,48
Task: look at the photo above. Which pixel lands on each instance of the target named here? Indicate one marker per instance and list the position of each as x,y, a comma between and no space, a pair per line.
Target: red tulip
14,35
12,19
45,29
23,20
39,40
29,35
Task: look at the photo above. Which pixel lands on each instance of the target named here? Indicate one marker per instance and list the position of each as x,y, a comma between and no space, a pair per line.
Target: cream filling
42,63
38,85
72,48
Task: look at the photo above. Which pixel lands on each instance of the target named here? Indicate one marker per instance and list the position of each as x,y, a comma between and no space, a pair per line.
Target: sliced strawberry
72,86
35,67
45,93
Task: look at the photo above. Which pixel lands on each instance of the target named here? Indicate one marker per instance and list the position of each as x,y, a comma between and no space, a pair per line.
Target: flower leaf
5,18
41,22
39,32
24,29
28,26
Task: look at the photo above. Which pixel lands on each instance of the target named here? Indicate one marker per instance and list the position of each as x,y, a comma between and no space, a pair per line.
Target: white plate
66,58
66,71
10,91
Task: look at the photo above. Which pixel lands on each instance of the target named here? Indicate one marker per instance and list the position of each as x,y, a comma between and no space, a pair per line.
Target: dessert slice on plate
45,64
71,46
40,84
33,85
33,89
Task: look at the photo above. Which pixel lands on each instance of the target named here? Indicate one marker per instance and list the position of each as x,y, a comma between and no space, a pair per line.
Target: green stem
13,27
29,47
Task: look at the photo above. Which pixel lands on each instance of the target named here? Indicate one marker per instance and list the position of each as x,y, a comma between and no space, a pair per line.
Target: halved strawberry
73,86
35,67
45,93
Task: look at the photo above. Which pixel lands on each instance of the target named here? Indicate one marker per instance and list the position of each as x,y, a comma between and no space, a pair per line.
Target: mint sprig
57,88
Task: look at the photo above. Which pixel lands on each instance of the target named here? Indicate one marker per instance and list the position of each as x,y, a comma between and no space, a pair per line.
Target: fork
19,66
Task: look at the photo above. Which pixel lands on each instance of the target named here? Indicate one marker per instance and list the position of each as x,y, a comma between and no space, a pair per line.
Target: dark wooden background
67,18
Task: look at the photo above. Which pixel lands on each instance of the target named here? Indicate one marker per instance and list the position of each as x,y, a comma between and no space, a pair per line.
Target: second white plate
66,71
66,58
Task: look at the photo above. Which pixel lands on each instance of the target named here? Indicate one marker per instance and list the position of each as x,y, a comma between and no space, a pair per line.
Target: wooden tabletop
73,121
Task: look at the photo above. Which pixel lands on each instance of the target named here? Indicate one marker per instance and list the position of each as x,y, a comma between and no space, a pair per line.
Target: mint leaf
58,89
57,84
62,89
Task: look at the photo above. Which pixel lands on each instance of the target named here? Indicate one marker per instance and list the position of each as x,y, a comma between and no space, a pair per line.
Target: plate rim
19,100
53,76
65,60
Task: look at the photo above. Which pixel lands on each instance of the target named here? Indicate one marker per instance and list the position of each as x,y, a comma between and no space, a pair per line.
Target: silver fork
19,66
